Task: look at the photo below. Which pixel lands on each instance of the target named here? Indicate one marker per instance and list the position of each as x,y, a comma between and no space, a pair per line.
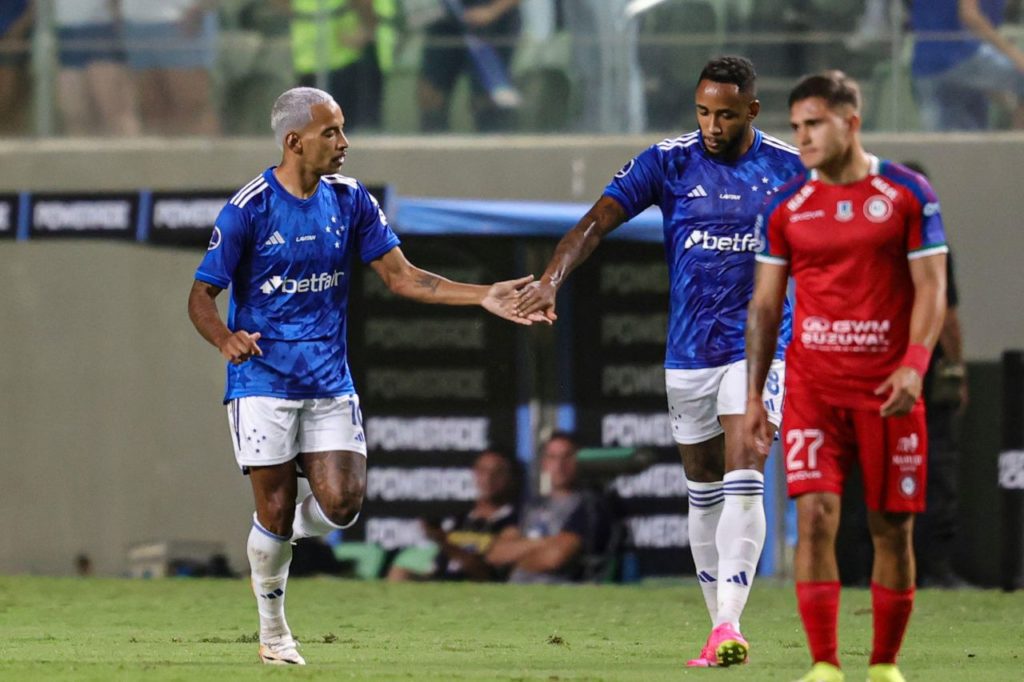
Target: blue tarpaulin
476,217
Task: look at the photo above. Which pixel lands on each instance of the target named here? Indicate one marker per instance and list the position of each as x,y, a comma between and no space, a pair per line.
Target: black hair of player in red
834,86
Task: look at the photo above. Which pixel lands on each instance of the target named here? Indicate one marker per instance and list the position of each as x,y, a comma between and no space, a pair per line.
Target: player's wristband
917,358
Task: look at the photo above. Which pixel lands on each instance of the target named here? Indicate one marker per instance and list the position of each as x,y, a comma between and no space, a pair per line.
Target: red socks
819,609
891,611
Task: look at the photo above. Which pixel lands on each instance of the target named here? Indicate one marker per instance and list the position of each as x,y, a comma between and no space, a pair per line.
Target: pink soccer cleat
707,658
727,646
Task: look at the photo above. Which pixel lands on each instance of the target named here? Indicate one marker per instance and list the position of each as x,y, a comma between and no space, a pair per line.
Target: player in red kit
864,242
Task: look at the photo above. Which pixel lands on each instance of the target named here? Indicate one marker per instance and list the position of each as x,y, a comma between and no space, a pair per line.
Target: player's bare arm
405,279
762,334
574,248
236,347
926,317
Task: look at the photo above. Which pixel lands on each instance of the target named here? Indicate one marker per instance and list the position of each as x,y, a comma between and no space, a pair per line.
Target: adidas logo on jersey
275,239
709,242
697,192
314,283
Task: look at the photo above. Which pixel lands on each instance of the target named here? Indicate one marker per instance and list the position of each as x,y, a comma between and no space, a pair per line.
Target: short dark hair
515,471
731,69
835,87
567,436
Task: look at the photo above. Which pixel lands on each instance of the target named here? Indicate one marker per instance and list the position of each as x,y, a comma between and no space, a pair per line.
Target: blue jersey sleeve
374,237
932,230
639,183
227,244
926,234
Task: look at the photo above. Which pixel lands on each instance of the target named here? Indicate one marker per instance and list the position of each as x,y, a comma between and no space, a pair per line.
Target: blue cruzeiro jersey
710,208
287,261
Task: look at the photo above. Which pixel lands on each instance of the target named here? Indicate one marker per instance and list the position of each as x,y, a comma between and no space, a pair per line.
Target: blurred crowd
212,67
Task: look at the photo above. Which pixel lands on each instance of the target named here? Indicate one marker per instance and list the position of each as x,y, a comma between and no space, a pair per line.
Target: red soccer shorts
820,443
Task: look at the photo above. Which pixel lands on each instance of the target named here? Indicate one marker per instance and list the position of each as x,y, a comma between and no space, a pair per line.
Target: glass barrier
208,67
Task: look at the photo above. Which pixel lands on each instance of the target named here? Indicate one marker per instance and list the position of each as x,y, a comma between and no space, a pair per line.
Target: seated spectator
460,545
16,18
171,46
94,89
955,77
561,530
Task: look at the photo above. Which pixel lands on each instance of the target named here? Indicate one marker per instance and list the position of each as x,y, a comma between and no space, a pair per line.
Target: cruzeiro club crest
844,211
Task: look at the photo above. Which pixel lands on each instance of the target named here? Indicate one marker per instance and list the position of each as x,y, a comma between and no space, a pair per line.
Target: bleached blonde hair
291,111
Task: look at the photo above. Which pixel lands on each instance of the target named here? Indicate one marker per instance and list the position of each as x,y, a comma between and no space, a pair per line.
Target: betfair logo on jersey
313,283
709,242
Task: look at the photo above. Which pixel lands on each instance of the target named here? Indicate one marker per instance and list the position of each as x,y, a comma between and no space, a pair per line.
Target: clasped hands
524,301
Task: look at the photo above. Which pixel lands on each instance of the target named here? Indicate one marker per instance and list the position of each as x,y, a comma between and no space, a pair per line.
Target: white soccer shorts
696,398
267,431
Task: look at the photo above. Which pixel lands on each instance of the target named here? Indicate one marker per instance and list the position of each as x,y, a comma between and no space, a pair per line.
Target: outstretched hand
904,387
502,300
538,298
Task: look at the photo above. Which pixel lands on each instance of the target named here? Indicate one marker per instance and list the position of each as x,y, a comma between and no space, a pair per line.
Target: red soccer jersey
848,249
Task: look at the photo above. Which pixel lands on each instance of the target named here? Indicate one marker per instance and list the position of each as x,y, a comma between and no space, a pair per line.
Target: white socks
310,520
269,557
703,520
740,538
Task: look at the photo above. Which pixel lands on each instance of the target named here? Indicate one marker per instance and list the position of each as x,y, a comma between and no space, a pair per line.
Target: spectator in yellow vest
352,43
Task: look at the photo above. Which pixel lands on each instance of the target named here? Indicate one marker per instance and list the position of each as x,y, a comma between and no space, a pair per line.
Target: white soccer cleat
281,650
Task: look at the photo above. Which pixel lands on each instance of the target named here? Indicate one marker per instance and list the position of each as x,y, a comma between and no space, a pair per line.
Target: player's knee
276,515
342,509
892,533
343,512
702,464
818,522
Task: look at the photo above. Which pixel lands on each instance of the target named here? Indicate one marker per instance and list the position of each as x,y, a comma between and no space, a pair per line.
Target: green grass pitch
194,630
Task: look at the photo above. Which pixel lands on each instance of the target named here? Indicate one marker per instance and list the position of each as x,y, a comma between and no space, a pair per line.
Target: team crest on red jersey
844,211
908,485
878,208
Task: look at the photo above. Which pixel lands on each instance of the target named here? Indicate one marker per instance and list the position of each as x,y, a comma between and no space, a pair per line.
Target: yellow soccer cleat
885,672
823,672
